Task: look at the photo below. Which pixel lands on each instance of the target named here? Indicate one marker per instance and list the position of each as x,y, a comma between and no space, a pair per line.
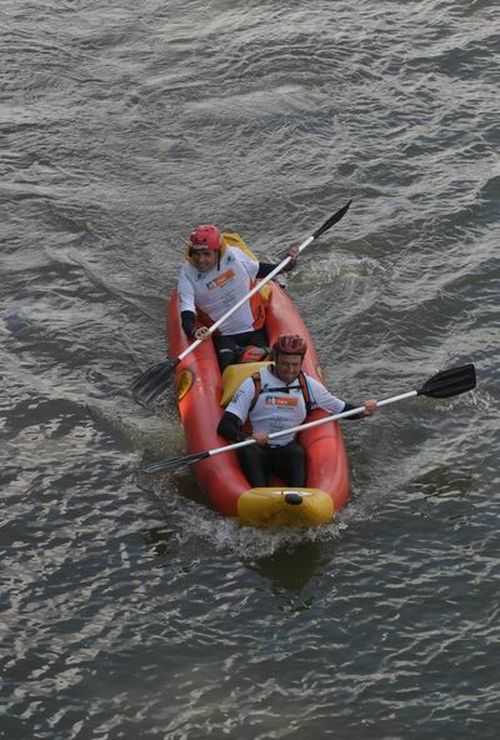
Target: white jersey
215,292
276,410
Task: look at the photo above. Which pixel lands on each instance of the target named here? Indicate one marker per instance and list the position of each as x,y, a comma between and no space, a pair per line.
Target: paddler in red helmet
278,397
212,280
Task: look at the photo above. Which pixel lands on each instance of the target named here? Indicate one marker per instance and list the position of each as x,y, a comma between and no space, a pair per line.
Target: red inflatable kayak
201,389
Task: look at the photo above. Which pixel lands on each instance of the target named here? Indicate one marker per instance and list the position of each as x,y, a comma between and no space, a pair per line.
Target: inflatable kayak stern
285,507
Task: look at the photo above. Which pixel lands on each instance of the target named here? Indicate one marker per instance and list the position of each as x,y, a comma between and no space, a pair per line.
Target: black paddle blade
450,382
153,381
332,220
172,463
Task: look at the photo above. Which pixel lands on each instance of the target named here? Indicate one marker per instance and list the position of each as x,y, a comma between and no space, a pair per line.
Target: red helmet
290,344
205,236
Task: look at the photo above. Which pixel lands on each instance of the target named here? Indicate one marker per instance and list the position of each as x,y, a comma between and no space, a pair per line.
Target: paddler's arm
188,320
323,399
265,267
188,309
230,428
369,405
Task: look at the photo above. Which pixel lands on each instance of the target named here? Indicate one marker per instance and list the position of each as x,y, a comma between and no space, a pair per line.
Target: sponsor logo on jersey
281,401
220,280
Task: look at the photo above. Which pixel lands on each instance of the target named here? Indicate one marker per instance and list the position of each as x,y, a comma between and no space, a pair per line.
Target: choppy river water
132,613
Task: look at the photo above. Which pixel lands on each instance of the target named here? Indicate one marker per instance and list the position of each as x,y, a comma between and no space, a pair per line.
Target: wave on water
196,525
131,608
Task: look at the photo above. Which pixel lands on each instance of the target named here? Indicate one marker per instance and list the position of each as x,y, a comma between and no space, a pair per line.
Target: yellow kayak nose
285,507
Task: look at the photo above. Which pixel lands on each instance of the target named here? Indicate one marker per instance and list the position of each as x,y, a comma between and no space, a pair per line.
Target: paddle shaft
311,424
244,299
443,384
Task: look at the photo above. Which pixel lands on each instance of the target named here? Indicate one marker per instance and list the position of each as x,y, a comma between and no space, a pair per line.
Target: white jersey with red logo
215,292
276,410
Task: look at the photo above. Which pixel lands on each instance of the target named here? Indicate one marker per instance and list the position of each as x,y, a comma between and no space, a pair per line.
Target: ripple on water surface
133,610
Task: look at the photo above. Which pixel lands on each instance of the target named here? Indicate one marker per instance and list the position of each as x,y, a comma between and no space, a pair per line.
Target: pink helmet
205,236
290,344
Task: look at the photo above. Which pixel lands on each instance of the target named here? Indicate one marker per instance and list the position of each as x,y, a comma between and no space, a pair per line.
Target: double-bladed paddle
152,381
443,384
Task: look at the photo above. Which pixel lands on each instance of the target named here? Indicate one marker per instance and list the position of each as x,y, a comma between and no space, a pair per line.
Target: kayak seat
234,375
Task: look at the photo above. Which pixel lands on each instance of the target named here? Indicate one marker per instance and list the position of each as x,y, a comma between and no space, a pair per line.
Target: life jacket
302,384
253,353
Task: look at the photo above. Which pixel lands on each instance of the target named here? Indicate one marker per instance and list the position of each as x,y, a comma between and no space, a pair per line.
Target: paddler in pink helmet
213,279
